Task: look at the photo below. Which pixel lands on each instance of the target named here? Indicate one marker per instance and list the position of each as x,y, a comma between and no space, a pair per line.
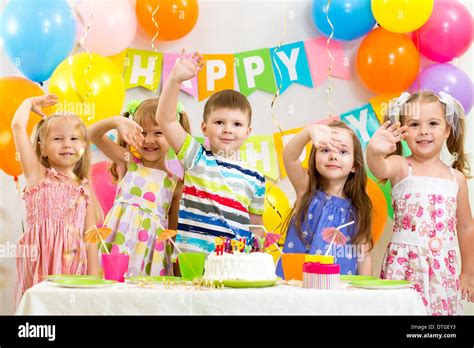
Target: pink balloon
112,28
448,32
103,185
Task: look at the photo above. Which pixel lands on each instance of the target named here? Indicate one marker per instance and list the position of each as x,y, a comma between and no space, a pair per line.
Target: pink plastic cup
115,266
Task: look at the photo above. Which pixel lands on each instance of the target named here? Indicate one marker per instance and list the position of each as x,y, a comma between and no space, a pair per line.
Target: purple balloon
449,79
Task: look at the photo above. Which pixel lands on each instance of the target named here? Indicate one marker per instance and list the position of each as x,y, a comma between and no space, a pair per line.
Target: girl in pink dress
57,195
430,199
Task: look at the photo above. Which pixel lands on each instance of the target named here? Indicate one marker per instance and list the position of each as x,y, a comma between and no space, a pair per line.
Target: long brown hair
83,166
146,112
354,189
455,144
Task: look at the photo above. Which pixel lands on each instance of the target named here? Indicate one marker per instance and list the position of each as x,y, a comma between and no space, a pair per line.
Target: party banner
290,65
259,152
142,68
319,60
169,60
216,75
363,121
255,71
380,105
283,138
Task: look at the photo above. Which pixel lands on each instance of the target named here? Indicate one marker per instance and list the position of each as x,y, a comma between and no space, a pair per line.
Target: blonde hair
146,112
354,189
83,166
455,144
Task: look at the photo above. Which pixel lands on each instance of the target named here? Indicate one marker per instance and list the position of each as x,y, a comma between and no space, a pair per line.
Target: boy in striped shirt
221,195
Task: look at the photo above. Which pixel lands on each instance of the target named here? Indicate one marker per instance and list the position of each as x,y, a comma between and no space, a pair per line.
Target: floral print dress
423,245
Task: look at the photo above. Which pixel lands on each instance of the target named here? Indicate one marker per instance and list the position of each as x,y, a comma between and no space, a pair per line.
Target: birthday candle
248,248
242,245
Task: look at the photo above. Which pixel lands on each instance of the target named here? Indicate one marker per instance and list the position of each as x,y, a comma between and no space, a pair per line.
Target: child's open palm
188,67
130,132
38,103
385,139
324,136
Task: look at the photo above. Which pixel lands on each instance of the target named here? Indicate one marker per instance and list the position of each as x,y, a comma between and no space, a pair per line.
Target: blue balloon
351,19
38,35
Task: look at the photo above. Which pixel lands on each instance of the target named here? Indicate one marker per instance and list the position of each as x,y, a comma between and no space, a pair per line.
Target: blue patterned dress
325,211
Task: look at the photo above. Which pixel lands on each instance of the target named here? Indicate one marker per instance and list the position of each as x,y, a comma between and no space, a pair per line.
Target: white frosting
239,266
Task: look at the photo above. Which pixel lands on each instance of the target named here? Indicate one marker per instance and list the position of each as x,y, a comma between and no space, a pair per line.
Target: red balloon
387,62
103,185
175,18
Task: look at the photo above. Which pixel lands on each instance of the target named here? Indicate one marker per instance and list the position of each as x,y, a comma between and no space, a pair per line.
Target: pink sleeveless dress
53,242
423,245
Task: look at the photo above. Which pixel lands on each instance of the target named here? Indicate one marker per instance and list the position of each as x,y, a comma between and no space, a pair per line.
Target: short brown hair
227,99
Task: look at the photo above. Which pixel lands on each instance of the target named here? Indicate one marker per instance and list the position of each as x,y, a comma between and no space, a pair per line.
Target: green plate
381,284
154,279
356,278
69,277
84,283
246,283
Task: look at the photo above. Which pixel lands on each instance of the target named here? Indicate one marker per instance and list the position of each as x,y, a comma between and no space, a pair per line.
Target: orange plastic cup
293,266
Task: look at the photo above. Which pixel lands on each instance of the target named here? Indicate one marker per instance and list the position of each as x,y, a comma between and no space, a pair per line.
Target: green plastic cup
191,265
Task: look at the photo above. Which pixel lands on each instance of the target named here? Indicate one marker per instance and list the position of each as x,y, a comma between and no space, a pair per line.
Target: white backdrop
228,27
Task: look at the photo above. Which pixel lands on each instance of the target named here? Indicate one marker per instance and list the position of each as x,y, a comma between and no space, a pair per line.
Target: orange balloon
13,90
379,209
387,62
175,18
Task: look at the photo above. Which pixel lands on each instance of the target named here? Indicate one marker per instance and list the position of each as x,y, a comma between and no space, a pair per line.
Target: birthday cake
239,266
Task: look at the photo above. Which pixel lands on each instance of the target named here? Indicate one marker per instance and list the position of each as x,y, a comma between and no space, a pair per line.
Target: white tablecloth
47,298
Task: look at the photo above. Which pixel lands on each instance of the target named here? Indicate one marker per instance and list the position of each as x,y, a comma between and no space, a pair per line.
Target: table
47,298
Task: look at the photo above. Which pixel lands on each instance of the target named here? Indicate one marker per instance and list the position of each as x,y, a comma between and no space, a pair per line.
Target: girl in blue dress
329,194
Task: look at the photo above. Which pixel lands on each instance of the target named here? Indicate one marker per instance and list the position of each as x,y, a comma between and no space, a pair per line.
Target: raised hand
38,103
385,139
129,131
324,136
186,68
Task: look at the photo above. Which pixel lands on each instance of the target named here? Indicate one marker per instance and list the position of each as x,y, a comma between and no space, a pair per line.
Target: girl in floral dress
148,194
430,199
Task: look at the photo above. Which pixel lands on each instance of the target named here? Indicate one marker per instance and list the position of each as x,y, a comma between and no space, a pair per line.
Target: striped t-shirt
218,195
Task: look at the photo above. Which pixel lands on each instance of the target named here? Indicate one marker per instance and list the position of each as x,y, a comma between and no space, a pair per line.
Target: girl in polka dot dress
148,193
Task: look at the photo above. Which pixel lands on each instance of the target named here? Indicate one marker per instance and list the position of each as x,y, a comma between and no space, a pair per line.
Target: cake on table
239,266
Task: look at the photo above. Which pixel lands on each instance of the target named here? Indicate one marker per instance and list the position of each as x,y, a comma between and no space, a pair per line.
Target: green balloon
387,192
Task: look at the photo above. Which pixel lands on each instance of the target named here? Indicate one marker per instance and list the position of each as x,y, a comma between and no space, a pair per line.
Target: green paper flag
259,153
255,71
143,68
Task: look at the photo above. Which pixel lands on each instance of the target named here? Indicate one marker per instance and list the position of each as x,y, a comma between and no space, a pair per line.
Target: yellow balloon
90,86
402,16
276,209
119,59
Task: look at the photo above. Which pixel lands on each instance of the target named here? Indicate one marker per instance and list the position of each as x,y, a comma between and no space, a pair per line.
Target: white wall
230,27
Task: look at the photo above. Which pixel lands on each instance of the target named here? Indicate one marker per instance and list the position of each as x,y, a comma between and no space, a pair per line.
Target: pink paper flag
169,60
319,60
